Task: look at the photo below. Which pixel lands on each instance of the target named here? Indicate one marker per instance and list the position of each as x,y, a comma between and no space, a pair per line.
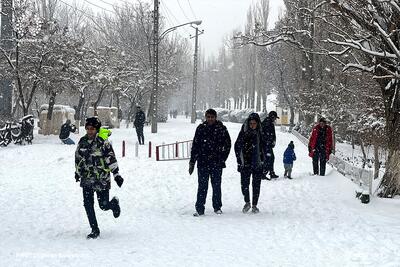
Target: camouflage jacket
94,160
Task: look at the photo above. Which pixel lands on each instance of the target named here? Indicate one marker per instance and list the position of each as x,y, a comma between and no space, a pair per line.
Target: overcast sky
220,17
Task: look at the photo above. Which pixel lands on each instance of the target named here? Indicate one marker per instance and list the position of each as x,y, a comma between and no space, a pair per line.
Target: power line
102,8
191,9
176,20
93,19
106,3
183,12
167,18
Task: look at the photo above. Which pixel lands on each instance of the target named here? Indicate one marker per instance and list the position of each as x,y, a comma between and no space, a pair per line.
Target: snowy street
307,221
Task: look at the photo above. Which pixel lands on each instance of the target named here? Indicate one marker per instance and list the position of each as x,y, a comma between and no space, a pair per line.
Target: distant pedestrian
66,129
140,119
210,149
320,146
250,156
288,158
268,129
94,160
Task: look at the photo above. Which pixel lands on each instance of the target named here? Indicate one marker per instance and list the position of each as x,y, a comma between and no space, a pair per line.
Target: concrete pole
7,44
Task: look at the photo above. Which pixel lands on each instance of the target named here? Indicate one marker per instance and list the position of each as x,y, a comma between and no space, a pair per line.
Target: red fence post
149,149
176,149
157,153
123,148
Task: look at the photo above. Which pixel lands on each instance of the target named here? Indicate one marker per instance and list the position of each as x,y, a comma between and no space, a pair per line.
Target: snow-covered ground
307,221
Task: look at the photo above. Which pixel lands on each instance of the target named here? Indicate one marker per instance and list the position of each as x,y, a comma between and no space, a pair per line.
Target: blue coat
289,156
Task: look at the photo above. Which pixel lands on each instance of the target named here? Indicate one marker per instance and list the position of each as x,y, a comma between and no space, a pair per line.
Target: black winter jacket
268,129
211,146
140,118
249,147
65,130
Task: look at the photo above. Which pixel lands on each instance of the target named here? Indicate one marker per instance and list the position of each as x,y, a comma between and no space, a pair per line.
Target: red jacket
314,137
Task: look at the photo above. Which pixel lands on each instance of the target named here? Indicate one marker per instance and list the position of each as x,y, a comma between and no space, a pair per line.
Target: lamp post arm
162,35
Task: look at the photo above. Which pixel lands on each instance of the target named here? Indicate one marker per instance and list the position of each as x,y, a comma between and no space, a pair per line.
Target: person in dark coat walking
268,129
94,160
140,119
250,155
210,149
66,129
320,146
288,158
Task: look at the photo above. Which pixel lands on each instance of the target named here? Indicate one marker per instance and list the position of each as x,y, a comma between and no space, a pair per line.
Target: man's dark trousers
139,132
203,176
319,155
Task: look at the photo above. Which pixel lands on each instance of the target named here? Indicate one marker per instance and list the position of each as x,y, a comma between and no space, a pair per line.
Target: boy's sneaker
218,211
117,209
94,234
254,209
246,207
198,214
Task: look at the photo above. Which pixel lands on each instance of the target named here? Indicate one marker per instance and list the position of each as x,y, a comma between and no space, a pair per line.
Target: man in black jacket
210,148
67,128
268,128
140,118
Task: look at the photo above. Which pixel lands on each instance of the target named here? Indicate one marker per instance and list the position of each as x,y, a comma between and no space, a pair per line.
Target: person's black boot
273,175
94,234
116,208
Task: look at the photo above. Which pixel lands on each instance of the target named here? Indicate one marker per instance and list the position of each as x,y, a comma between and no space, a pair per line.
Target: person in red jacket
320,146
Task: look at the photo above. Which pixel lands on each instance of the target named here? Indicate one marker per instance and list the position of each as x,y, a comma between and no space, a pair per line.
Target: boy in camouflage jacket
94,160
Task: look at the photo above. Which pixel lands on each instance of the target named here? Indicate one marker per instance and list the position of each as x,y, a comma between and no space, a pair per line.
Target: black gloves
191,168
118,179
77,178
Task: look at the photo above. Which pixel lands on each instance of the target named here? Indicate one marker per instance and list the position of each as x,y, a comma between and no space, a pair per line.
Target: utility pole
154,92
6,44
195,57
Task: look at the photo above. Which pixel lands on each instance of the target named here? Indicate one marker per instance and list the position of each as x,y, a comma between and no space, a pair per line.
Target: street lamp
154,92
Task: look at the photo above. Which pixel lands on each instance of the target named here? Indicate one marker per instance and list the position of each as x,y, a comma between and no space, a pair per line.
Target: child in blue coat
288,157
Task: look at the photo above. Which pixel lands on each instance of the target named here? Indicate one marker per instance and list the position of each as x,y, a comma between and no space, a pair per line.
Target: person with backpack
94,161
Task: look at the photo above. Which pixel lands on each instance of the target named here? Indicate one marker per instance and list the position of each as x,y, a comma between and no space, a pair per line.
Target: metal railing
174,151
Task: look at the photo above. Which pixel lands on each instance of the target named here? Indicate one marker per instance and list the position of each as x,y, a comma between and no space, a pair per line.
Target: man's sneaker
254,209
246,207
198,214
94,234
218,211
273,175
289,177
117,208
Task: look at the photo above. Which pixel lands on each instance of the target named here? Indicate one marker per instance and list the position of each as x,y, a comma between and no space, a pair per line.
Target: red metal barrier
149,149
174,151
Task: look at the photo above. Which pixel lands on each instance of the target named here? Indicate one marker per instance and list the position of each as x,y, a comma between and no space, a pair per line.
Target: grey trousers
288,169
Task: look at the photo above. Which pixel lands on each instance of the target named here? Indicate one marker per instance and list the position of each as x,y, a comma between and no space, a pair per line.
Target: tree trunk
52,101
79,106
363,152
377,163
390,184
